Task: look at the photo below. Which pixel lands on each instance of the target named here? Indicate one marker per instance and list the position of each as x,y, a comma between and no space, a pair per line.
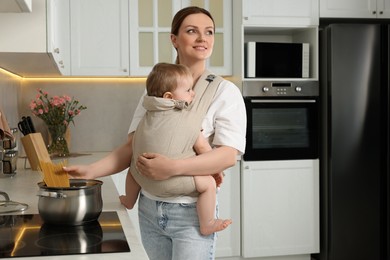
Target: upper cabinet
99,37
280,21
27,40
355,8
150,26
58,31
15,6
280,12
103,38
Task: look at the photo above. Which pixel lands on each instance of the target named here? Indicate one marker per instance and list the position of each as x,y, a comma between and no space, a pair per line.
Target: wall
9,95
101,127
110,105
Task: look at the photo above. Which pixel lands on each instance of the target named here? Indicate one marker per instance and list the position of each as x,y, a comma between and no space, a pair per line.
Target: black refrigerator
354,83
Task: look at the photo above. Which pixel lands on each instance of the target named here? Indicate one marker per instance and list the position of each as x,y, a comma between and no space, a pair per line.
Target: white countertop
23,187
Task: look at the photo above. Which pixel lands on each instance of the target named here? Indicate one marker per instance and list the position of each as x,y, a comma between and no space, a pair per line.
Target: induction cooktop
28,235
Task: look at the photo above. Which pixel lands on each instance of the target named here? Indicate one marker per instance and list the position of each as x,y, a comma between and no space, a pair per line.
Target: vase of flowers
57,112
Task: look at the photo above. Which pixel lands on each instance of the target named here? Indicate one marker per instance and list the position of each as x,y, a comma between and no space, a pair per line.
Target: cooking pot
75,205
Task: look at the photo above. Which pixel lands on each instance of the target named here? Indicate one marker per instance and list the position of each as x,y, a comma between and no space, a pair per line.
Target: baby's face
184,90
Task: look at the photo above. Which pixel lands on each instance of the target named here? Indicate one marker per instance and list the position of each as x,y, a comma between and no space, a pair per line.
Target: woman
170,227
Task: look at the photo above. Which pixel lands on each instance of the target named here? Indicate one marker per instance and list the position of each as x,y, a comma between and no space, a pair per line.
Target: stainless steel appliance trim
283,101
296,89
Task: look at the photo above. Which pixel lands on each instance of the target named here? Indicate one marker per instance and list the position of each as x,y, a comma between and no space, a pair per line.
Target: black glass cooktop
27,235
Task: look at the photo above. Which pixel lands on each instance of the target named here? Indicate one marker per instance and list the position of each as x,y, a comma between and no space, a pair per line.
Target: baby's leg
132,191
206,186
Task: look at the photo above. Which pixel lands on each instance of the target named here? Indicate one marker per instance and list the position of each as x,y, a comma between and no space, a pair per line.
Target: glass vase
58,145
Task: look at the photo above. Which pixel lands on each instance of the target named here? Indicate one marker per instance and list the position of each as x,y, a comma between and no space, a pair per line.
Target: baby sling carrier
174,137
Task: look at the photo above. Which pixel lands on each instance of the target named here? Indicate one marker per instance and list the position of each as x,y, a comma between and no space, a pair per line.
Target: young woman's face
195,39
184,90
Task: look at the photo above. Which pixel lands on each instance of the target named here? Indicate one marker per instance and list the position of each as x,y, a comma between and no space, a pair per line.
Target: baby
172,126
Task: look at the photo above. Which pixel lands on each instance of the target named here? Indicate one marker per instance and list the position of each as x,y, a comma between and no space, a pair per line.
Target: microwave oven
276,60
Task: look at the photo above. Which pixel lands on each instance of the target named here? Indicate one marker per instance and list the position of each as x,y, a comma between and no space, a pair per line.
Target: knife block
35,149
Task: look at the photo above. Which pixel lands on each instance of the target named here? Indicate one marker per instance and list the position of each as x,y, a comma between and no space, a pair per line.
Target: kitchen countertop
22,187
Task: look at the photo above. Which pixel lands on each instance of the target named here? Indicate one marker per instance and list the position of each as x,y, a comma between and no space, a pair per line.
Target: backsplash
9,94
102,126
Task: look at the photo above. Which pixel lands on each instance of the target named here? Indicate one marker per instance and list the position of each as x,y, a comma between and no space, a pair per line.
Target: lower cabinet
274,206
229,240
280,209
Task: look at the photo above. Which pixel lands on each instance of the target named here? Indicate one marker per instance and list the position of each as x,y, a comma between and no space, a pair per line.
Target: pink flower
33,105
55,110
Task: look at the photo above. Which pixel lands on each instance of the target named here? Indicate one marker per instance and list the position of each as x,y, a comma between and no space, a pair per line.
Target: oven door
282,129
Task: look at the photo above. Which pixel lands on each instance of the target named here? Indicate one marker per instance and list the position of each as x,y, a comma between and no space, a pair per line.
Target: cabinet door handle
381,12
57,50
373,12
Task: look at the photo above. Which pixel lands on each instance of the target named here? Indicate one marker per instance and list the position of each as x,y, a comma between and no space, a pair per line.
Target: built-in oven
282,120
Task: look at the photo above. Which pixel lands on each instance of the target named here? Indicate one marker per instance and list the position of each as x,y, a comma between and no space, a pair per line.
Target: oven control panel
280,89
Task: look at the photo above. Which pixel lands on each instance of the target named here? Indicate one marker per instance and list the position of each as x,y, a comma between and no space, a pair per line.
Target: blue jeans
170,231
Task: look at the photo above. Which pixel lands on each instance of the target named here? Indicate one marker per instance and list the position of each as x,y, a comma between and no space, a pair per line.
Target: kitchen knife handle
30,124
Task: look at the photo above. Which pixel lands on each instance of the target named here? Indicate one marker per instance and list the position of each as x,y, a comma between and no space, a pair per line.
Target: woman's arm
118,160
159,167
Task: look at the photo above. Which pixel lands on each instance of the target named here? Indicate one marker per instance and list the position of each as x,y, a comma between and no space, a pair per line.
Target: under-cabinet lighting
78,79
10,73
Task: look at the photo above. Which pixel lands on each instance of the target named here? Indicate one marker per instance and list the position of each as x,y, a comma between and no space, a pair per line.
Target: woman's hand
155,166
79,171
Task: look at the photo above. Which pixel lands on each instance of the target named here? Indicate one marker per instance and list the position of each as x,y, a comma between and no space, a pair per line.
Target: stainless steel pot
75,205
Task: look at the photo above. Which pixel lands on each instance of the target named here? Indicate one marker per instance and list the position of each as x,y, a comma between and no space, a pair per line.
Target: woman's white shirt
225,118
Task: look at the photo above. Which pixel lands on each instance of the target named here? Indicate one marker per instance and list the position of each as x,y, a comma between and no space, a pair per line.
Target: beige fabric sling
171,127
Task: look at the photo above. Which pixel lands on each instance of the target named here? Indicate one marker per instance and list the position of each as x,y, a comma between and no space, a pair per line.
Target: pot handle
5,195
51,194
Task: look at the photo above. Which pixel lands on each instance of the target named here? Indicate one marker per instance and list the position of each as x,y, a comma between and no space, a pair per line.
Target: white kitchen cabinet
150,26
229,240
355,8
58,33
280,208
27,39
280,12
291,21
99,37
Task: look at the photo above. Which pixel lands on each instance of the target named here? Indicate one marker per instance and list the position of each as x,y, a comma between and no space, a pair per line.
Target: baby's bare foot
215,226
